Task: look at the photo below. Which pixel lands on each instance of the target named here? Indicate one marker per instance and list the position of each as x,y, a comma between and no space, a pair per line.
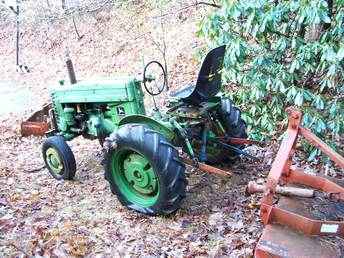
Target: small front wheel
59,158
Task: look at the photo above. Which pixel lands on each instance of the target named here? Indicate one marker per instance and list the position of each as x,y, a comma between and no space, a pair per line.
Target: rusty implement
253,187
240,141
38,123
207,168
296,226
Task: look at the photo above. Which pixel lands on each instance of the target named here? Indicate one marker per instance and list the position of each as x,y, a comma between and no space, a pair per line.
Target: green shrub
282,53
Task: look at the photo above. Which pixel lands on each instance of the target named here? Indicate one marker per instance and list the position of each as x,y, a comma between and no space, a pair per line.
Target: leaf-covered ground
43,217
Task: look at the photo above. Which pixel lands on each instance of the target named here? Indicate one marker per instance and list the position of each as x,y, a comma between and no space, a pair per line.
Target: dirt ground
40,216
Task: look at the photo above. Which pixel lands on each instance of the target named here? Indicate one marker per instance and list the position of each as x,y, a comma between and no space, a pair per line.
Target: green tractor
145,155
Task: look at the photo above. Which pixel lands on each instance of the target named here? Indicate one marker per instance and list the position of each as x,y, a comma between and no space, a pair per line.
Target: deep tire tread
234,125
163,157
231,117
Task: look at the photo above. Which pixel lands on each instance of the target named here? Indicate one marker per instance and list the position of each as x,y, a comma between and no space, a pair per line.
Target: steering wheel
154,71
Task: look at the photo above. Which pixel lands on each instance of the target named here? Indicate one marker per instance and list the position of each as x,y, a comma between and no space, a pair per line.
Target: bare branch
190,6
209,4
9,7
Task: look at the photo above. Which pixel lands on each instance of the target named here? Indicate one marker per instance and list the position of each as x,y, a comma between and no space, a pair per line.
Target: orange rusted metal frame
318,143
206,168
240,141
282,172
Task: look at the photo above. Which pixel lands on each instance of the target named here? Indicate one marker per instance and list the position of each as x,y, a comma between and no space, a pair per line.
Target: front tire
59,158
144,170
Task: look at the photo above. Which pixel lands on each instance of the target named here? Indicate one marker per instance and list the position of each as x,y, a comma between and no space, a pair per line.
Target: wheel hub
139,173
54,161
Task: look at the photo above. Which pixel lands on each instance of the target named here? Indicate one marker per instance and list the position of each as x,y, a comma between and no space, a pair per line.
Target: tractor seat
184,92
208,81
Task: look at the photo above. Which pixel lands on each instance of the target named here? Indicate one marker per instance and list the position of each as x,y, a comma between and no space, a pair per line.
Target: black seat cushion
208,81
184,92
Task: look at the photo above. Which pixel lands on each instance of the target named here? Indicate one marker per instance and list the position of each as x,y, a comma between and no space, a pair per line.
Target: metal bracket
206,168
282,170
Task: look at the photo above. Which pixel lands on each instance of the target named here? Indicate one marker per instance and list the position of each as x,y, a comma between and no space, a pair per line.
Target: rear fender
155,125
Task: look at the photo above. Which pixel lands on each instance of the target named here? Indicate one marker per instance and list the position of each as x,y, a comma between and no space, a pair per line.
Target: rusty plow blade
297,224
38,123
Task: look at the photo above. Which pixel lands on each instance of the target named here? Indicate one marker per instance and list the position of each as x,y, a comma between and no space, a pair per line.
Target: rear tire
59,158
234,125
137,154
231,119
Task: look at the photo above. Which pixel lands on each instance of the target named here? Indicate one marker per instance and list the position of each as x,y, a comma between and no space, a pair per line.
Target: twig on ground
34,170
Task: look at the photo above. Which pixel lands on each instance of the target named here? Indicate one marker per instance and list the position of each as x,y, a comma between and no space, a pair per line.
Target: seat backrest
209,78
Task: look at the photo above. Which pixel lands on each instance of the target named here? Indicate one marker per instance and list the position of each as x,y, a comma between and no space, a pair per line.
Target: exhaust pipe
70,69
